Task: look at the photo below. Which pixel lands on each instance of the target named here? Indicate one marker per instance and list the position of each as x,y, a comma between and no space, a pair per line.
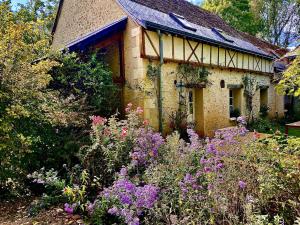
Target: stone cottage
170,55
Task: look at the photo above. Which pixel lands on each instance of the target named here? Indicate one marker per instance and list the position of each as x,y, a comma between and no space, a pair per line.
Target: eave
154,26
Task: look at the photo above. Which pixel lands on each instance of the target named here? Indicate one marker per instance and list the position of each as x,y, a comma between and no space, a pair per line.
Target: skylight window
182,21
222,34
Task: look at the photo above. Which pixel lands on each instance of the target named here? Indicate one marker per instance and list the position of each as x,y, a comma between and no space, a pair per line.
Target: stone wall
80,17
212,109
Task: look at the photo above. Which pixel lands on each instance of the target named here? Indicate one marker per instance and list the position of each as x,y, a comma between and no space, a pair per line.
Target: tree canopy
276,21
290,81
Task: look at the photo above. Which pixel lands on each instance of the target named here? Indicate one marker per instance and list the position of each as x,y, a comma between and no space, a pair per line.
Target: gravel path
16,213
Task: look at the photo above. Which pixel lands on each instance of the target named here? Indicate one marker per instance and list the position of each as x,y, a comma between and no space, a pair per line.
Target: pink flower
256,135
146,122
124,132
139,110
128,108
98,120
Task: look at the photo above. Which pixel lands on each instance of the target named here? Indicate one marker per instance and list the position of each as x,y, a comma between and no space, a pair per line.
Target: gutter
155,26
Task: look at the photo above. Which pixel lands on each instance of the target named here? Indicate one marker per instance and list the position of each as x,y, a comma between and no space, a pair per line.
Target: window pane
191,108
190,96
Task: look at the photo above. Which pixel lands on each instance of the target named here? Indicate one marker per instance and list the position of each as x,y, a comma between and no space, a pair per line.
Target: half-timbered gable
167,34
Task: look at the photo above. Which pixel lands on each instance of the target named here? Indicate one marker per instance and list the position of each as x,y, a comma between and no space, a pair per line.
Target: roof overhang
97,36
154,26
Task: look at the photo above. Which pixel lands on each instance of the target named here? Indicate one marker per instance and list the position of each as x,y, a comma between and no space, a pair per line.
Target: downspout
159,82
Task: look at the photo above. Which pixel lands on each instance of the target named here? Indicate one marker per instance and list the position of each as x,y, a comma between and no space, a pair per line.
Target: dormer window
222,34
182,21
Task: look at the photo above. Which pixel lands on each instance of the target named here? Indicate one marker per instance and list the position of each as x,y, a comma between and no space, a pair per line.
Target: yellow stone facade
211,104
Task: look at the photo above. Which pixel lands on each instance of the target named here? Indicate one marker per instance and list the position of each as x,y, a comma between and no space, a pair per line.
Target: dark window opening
234,102
182,21
222,34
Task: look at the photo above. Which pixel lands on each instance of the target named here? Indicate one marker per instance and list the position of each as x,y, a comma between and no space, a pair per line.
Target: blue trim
93,38
155,26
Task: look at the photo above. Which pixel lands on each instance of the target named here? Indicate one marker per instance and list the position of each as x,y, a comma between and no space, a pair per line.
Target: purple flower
123,172
194,139
125,199
242,184
211,149
146,147
132,199
90,207
146,196
113,211
207,169
203,160
242,121
136,221
68,208
219,166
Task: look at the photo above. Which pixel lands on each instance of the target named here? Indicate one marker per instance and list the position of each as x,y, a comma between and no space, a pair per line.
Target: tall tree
281,19
277,21
38,9
237,13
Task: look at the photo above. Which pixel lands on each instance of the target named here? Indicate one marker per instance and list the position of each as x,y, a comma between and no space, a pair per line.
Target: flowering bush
120,142
233,178
130,200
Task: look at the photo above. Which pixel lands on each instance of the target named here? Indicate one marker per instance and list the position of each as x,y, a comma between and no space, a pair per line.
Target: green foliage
193,75
237,13
263,125
280,19
152,71
278,175
263,111
88,80
45,97
112,143
52,187
276,21
290,81
35,10
26,103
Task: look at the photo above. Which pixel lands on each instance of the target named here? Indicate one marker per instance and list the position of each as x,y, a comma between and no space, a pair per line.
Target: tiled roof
204,18
158,16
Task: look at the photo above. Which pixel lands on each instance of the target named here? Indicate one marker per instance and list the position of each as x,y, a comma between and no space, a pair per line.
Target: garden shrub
236,177
45,100
87,79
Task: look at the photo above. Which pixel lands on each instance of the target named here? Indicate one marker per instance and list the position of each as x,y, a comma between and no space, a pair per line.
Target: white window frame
191,105
231,101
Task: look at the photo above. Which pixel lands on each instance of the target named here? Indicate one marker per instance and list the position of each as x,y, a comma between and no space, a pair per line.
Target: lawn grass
294,132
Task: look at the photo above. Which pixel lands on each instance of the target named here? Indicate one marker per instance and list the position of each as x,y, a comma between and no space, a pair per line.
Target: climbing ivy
192,75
